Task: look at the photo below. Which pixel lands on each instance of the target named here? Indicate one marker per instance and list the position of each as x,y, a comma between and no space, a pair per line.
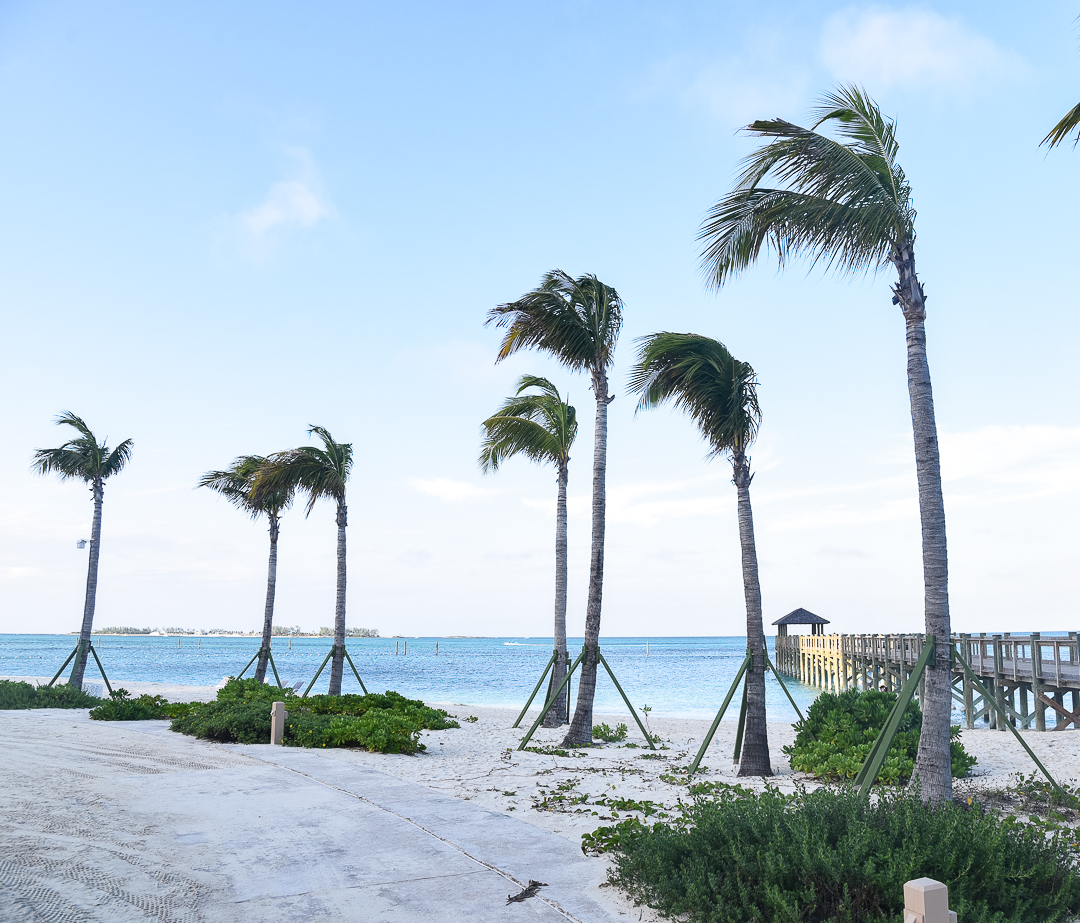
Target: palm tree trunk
933,765
559,711
271,590
580,732
337,667
754,759
79,669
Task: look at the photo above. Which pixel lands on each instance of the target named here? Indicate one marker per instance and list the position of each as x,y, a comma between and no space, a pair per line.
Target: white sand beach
128,821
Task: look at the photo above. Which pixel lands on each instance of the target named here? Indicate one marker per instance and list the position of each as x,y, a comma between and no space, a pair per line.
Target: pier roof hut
801,617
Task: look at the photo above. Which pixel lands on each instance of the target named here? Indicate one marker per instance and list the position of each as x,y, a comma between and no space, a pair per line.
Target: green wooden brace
720,714
273,666
536,689
871,766
610,673
249,663
326,660
989,698
355,671
551,701
776,676
97,660
742,721
61,670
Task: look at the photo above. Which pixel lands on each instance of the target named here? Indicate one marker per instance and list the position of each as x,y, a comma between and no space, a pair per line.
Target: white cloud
14,573
450,491
291,205
883,47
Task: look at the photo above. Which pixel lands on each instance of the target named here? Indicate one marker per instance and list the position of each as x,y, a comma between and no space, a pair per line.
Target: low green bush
609,735
830,856
839,731
15,695
382,722
120,706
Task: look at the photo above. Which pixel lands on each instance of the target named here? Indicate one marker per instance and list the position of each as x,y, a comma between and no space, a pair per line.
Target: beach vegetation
541,426
577,321
237,485
322,474
16,695
610,735
844,201
831,856
86,459
719,393
120,706
381,722
840,729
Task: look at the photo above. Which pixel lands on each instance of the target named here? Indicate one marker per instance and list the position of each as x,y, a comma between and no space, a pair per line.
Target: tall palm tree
237,485
719,393
542,427
321,474
578,322
846,201
88,460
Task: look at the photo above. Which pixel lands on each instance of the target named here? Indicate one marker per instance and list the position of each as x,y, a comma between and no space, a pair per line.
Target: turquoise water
688,677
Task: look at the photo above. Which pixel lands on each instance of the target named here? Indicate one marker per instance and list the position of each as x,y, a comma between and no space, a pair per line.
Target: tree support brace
326,660
876,758
1004,718
536,689
747,661
273,666
72,656
555,695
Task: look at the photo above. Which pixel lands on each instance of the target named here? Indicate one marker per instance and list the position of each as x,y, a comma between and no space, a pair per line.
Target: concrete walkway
126,821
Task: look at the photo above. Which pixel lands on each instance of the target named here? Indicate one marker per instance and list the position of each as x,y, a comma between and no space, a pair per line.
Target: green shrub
382,722
839,732
231,721
830,856
120,706
608,735
24,695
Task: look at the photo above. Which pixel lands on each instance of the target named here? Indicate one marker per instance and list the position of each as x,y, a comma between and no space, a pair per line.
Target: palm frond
844,202
542,427
319,473
81,457
576,320
702,379
1061,131
237,485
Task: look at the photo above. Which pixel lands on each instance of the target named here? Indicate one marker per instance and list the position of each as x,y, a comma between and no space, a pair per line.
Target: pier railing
1012,667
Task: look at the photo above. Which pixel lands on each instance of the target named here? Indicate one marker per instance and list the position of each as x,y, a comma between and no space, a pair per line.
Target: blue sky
222,223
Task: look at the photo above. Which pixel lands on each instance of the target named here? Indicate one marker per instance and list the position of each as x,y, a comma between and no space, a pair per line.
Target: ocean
685,677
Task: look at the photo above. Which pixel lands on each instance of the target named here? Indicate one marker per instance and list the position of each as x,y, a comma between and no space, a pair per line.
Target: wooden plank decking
1024,684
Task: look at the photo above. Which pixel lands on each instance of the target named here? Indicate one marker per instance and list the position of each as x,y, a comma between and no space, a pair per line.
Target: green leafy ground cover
383,722
840,729
829,856
14,695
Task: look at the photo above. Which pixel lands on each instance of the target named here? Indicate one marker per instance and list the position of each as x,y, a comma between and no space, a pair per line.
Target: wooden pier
1029,676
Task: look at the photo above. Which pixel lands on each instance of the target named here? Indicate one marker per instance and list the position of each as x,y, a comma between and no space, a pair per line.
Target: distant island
278,631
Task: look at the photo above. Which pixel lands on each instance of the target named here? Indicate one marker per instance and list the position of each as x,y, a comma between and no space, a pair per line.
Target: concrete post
927,901
277,722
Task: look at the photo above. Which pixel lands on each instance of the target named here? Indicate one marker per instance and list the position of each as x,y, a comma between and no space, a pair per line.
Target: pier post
1036,681
969,704
999,683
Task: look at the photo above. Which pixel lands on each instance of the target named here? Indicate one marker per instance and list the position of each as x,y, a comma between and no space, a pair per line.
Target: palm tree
542,427
321,474
578,322
719,393
237,485
846,201
85,458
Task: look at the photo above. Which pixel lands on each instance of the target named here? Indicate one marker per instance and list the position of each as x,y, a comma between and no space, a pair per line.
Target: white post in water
927,901
277,724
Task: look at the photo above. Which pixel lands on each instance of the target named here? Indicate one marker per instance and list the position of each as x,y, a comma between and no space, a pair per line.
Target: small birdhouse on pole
801,617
